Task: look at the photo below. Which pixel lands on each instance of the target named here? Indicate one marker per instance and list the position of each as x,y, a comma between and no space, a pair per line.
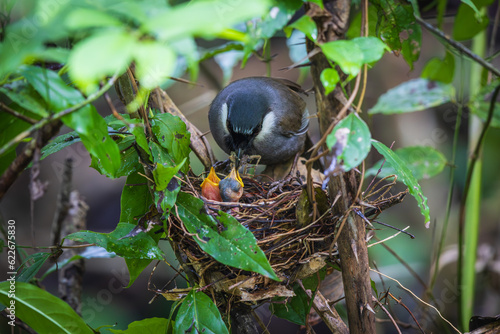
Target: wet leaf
198,314
42,311
406,176
413,95
423,161
144,326
354,144
60,142
225,239
140,246
135,200
171,133
399,29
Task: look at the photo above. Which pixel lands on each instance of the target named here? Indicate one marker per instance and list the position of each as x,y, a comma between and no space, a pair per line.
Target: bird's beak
231,188
239,154
210,187
235,175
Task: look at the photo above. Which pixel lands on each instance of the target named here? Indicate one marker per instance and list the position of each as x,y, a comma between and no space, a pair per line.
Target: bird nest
295,247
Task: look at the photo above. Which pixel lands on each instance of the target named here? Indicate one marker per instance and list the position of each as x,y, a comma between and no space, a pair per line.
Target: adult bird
260,116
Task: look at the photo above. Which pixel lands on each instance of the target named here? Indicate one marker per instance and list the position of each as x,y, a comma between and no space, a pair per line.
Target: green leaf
277,17
202,18
26,97
351,55
165,198
163,175
350,139
413,95
135,268
225,239
329,79
135,200
140,246
199,314
306,25
89,125
154,63
480,104
102,54
57,94
42,311
399,29
144,326
60,142
93,132
423,161
31,266
128,161
472,6
355,25
441,70
296,308
83,18
468,22
406,176
171,133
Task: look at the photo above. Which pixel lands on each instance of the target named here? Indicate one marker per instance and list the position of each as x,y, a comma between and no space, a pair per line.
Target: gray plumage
260,116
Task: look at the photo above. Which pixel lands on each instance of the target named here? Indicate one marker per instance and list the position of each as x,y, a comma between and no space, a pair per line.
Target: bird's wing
291,85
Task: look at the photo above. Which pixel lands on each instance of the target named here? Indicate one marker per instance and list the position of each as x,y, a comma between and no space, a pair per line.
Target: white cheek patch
223,119
268,125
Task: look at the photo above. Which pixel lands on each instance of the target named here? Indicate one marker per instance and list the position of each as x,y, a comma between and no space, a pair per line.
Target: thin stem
17,114
460,47
57,116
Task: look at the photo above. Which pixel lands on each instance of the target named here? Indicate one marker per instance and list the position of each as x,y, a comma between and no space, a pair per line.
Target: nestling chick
260,116
231,187
210,187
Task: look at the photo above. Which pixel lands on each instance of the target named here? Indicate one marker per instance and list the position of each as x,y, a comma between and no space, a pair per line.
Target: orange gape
210,187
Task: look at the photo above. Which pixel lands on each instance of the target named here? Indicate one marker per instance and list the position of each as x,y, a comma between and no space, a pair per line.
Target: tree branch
332,24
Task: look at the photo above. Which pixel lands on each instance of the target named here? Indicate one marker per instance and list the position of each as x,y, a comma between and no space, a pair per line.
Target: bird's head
260,116
245,112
